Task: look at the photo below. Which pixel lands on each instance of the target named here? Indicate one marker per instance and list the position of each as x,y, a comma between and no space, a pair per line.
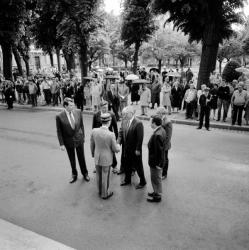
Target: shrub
229,73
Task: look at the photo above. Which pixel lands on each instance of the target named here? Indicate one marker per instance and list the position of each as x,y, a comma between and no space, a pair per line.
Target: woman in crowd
214,100
166,92
96,94
176,93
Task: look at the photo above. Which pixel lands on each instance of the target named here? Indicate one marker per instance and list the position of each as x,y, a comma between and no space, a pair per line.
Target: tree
79,19
205,21
12,16
98,47
44,29
125,54
137,25
229,49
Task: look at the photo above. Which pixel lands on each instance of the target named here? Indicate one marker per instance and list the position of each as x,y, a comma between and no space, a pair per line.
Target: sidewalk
13,237
178,118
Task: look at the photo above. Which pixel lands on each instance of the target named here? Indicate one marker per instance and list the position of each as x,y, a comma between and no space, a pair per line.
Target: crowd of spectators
171,89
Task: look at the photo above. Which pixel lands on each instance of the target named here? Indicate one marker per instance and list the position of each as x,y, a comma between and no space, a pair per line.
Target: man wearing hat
103,146
204,103
71,136
113,127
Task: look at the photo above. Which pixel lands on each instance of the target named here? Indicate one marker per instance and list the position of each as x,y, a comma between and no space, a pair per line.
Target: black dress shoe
208,129
154,199
74,179
86,178
198,128
139,186
151,194
108,196
125,183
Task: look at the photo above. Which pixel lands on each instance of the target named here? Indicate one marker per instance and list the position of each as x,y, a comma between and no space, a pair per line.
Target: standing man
113,127
238,102
204,102
223,100
168,127
103,147
156,147
131,135
71,136
113,100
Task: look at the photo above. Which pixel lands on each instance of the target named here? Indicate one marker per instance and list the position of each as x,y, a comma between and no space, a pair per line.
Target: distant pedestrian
214,99
156,147
145,98
190,99
9,95
103,147
223,100
204,102
238,102
166,94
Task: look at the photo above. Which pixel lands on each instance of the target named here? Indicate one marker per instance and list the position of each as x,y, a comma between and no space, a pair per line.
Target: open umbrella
174,74
140,81
243,70
131,77
88,78
112,77
155,69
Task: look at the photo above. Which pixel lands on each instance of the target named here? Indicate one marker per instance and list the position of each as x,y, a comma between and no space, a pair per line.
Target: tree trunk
83,61
51,59
18,60
26,61
58,59
113,60
90,65
126,62
135,57
159,65
210,47
220,62
70,60
7,60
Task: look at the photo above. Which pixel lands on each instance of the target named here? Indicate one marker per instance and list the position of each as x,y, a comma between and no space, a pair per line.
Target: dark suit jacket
132,139
156,146
204,101
66,135
97,122
168,129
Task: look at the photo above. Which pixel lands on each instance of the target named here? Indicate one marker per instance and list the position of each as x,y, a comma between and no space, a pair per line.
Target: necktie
72,120
126,127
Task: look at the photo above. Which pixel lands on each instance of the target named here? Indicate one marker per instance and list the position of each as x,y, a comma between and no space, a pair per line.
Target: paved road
205,200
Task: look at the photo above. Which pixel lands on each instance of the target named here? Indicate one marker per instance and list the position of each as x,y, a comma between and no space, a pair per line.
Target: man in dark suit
97,123
156,146
113,100
131,135
70,132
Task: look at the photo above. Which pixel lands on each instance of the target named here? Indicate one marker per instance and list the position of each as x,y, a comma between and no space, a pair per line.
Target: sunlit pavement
205,198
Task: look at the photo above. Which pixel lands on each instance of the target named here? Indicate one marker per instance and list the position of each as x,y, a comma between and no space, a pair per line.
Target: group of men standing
106,141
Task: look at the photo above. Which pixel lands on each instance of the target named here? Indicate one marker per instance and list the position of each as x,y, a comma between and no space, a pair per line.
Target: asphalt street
205,198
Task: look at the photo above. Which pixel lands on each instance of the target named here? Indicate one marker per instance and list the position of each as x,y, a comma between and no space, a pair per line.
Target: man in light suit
103,146
131,135
156,146
70,132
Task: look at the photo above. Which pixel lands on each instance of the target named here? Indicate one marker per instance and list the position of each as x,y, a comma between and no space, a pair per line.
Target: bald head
128,112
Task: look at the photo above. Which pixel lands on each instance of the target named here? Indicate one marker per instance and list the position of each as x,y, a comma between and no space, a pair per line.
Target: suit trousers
103,176
133,161
166,163
81,159
237,114
156,180
204,112
225,104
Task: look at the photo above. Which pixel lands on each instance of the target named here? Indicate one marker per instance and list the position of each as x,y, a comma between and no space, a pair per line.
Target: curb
147,118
